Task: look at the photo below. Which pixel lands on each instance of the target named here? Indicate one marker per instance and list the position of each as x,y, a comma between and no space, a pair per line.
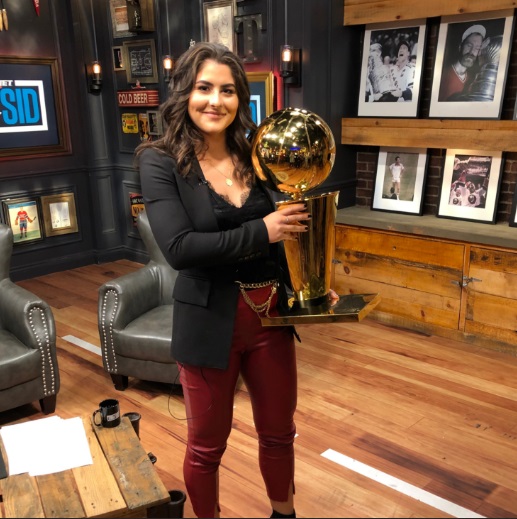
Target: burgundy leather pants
265,357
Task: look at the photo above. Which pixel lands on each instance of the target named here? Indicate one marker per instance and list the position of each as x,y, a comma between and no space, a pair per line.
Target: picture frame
141,65
218,21
474,86
119,62
119,19
407,194
42,127
59,214
23,216
154,120
470,185
513,212
262,95
391,69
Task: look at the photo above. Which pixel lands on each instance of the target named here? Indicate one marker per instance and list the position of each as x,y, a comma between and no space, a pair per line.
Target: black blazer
185,227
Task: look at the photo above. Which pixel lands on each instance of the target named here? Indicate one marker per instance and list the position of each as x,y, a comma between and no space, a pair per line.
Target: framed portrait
400,180
471,64
141,63
59,214
118,58
33,112
391,69
23,216
470,185
513,213
119,19
218,22
154,120
262,95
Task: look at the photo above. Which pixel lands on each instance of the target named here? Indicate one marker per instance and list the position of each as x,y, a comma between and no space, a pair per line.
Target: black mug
110,413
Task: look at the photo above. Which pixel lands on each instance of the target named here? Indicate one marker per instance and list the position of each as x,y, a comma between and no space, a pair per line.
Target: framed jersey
23,216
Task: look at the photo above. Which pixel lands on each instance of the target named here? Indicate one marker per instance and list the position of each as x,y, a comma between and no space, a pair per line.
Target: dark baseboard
75,261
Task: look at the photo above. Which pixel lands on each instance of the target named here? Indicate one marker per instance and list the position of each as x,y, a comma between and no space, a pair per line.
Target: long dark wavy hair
182,139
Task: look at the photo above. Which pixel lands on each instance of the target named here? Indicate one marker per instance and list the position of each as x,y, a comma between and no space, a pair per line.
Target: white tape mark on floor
82,344
400,486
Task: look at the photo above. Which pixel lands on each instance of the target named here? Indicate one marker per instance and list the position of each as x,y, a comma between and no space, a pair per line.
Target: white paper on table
46,446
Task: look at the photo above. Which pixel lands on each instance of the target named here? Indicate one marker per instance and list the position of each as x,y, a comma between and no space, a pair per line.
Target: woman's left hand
333,296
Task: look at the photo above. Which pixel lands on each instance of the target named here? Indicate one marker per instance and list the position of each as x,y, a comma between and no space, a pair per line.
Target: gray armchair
28,359
135,319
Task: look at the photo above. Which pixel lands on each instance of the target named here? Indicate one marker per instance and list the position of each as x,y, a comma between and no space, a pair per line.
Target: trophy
484,85
293,153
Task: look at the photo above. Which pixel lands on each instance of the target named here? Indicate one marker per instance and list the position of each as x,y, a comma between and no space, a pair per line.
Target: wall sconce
290,62
94,72
168,63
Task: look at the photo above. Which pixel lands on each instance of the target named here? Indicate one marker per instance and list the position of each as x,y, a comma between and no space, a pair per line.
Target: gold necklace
228,180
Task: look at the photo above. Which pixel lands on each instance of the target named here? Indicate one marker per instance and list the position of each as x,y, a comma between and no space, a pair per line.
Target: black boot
278,514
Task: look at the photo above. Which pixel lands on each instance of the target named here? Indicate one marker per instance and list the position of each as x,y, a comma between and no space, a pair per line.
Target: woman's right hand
287,222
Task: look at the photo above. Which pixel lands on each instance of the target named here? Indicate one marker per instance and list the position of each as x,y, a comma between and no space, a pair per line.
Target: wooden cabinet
430,285
491,303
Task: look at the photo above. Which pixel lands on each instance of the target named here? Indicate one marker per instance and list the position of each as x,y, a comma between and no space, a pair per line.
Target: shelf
473,134
358,12
430,226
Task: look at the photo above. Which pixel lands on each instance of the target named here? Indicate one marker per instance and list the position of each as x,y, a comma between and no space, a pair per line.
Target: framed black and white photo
470,185
154,120
23,216
391,69
59,214
218,22
141,65
400,179
513,213
471,65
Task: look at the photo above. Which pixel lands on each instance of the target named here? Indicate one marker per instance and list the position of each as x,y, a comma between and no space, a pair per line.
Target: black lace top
255,205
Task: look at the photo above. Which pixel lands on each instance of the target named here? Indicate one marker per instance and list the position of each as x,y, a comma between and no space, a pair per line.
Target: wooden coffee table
122,482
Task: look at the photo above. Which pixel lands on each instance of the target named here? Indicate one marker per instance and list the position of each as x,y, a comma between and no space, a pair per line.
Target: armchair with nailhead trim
135,319
28,359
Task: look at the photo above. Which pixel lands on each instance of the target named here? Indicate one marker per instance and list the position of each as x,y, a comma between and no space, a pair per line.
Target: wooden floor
433,413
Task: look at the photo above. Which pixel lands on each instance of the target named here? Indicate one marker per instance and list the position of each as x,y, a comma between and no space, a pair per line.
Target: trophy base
349,308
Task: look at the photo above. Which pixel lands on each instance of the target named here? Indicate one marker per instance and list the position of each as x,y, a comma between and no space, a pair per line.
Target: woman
219,228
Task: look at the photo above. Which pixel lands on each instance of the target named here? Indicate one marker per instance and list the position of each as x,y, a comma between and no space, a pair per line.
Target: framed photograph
218,22
23,216
33,112
391,70
400,180
118,58
59,214
470,185
513,213
154,120
140,59
471,65
119,20
262,94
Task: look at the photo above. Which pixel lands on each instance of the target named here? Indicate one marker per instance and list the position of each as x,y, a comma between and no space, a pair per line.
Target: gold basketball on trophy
293,151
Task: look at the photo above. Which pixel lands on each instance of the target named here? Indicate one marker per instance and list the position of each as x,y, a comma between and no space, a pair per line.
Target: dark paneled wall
99,169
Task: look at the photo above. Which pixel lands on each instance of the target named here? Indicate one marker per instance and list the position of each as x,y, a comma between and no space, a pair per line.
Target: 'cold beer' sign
138,98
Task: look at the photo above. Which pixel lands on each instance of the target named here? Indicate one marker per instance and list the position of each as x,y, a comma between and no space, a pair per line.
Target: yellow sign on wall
130,123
